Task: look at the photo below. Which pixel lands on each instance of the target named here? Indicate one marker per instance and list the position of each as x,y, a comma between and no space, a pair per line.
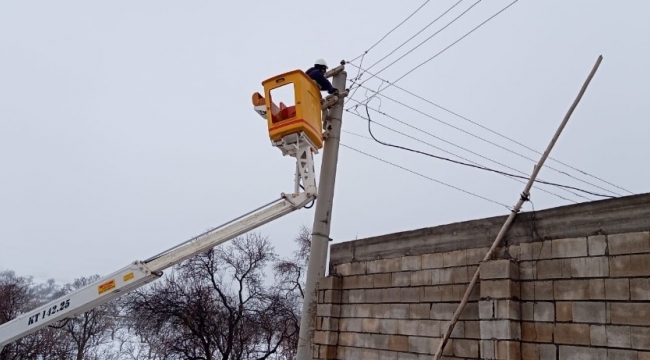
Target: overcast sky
126,127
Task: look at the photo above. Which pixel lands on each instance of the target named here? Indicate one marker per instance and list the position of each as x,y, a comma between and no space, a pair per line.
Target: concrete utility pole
322,220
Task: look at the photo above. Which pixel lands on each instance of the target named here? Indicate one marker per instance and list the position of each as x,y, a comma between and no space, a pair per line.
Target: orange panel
305,116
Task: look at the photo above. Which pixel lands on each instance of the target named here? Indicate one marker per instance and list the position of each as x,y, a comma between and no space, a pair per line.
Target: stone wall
569,283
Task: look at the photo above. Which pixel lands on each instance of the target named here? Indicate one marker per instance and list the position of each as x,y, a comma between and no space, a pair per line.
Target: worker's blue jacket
320,80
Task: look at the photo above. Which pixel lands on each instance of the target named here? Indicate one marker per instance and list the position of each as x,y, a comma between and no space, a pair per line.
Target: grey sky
126,127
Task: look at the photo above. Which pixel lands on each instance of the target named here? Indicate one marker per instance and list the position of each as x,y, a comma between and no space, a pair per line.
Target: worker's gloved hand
336,92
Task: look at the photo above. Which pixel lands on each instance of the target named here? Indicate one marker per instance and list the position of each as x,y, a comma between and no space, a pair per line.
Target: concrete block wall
586,297
545,295
500,310
398,308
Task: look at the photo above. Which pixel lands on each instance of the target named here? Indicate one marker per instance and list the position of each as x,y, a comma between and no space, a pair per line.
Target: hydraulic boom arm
140,273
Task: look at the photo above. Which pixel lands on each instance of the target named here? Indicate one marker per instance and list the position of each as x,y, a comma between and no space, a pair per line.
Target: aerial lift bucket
301,114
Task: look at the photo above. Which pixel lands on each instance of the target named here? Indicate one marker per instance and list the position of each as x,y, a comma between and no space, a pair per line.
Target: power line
357,135
452,144
449,46
354,81
484,140
423,42
473,122
426,177
460,157
393,29
363,55
456,155
416,34
505,137
475,166
445,141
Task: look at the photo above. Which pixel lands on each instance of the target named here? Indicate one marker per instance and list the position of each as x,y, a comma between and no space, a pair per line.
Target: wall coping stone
602,217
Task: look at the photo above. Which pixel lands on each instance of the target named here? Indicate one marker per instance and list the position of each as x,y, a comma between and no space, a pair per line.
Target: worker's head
321,64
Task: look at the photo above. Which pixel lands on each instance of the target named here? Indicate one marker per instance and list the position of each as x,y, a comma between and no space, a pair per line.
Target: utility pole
523,197
322,219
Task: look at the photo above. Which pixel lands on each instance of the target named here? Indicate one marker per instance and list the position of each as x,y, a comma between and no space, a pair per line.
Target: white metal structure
140,273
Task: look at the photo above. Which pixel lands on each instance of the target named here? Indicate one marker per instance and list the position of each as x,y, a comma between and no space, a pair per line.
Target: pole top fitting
334,71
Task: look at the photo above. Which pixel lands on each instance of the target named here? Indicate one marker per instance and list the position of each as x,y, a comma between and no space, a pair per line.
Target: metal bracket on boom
302,148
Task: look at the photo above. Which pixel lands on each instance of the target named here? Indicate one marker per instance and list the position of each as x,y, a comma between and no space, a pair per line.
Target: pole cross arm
334,71
333,99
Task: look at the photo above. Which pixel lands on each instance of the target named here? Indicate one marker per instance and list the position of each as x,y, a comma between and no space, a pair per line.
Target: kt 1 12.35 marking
48,312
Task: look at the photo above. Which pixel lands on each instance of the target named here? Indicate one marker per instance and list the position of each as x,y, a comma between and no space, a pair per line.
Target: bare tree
290,273
86,337
289,284
17,295
217,306
239,301
133,345
90,333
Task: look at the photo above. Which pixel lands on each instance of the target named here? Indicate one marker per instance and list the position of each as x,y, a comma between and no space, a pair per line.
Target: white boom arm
140,273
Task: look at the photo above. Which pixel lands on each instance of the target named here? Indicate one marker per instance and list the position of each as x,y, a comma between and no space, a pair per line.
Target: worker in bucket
317,73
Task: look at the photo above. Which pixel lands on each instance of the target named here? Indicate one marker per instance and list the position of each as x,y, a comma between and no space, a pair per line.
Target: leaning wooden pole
524,196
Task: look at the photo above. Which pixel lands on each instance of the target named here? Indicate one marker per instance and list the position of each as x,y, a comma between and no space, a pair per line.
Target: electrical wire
355,134
475,166
362,71
449,46
460,157
424,41
473,162
393,29
311,205
504,137
427,177
450,143
534,232
355,81
416,34
485,140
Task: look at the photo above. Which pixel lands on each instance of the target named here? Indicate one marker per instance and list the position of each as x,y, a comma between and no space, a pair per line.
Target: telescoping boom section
294,130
